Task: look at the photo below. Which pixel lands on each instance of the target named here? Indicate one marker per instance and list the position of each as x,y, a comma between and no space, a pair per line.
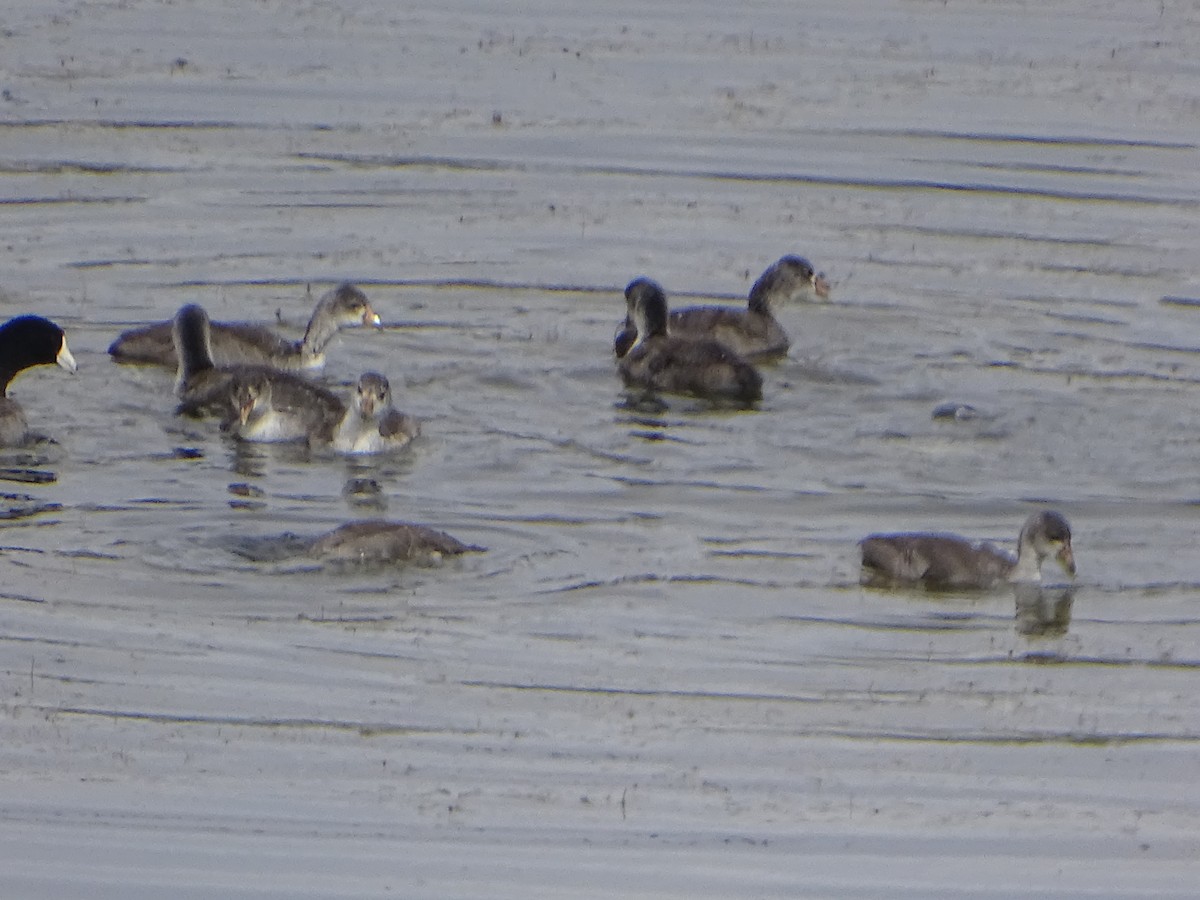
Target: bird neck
193,342
1028,566
321,329
15,355
765,290
8,372
760,297
650,321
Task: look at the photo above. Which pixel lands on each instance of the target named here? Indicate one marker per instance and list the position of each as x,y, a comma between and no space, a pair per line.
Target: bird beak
65,359
1066,559
370,317
821,286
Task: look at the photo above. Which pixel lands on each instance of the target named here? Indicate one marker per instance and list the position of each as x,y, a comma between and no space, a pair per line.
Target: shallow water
662,678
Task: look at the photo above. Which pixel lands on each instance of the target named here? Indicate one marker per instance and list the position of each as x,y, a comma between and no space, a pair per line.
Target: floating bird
238,343
267,403
372,424
659,361
377,541
751,333
26,341
949,562
261,413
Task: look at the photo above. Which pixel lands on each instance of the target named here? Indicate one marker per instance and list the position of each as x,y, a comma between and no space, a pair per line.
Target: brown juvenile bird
377,542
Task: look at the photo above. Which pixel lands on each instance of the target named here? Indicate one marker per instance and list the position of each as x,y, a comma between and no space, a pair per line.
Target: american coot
372,424
658,361
26,341
947,562
294,407
378,542
369,425
753,332
238,343
263,414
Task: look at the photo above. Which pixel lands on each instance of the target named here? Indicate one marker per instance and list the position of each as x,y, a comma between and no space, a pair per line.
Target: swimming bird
753,332
372,424
236,343
26,341
258,416
378,541
948,562
269,404
659,361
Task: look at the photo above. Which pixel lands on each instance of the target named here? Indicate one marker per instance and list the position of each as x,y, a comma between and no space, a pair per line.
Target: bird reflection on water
1043,611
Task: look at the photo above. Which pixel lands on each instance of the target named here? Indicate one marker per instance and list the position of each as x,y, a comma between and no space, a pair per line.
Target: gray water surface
664,661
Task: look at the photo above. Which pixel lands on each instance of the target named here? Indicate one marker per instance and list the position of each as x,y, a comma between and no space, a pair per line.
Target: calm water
666,636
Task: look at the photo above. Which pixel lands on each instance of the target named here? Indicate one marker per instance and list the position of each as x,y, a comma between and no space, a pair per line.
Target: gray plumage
265,412
371,424
377,542
206,389
658,361
753,332
949,562
242,343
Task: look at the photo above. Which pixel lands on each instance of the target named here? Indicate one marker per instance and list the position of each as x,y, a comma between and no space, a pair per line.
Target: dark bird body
661,362
377,542
268,409
299,407
26,341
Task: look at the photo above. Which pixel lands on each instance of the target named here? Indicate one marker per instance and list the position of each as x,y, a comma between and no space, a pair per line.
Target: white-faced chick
372,424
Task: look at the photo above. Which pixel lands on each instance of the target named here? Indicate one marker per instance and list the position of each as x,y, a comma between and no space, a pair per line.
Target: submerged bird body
378,541
659,361
372,424
270,405
237,343
753,332
949,562
26,341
